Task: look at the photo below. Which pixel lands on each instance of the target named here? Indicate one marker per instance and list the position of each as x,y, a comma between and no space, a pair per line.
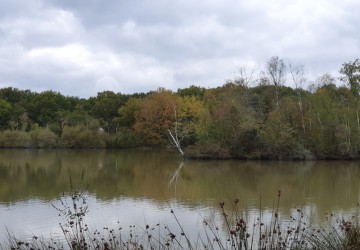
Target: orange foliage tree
163,111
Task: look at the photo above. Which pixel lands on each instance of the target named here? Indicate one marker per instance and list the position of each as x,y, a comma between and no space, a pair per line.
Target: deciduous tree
351,75
298,77
276,70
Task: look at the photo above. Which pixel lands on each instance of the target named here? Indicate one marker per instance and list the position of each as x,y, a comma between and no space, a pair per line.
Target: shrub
15,139
124,138
43,138
207,151
81,137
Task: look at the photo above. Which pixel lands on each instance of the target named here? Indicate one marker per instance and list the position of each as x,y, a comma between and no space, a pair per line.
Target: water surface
139,187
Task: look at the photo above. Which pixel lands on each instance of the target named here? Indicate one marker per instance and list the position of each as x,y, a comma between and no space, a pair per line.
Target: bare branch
297,75
174,138
276,69
246,76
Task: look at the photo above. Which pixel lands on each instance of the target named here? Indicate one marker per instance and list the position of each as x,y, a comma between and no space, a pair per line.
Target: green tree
20,103
126,113
195,91
105,108
5,108
351,75
229,122
44,108
279,139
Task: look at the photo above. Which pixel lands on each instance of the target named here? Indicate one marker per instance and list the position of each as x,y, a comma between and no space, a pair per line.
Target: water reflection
175,176
122,182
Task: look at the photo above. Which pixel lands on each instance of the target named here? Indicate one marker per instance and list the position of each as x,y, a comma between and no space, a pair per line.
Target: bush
207,151
43,138
15,139
124,138
81,137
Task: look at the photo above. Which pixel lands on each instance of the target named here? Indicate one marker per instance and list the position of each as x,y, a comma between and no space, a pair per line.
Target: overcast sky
81,47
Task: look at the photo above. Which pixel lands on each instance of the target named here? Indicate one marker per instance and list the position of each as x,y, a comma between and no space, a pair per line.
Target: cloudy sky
81,47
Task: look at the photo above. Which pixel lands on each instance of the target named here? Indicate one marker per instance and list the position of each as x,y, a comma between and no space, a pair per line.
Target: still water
139,187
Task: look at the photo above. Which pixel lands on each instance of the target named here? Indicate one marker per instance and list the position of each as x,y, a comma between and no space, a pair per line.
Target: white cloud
47,28
72,59
93,71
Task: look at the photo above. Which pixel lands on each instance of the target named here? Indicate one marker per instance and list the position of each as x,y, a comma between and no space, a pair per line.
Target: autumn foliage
261,120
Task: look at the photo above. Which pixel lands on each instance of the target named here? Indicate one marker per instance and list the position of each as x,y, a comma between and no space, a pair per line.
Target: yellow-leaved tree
163,113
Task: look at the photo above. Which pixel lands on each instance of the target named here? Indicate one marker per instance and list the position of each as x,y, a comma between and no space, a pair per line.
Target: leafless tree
298,77
276,70
246,76
326,79
174,136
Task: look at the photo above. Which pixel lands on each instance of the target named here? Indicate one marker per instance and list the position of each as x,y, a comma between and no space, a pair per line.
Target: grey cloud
95,13
13,8
81,47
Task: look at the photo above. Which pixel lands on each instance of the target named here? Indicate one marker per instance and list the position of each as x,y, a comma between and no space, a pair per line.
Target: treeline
254,116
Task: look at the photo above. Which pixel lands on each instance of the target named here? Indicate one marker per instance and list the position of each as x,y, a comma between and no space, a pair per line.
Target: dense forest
254,116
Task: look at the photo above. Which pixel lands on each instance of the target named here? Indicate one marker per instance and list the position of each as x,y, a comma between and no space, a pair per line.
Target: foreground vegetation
235,232
250,117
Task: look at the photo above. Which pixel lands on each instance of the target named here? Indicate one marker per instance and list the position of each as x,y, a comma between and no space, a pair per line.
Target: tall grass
235,232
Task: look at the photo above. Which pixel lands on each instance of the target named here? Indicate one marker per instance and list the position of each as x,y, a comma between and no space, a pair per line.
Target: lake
140,187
